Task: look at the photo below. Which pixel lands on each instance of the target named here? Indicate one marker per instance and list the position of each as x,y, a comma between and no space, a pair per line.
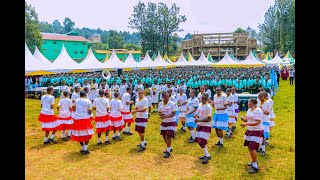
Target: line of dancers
194,113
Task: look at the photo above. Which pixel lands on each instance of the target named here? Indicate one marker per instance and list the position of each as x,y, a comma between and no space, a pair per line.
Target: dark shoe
69,137
205,160
99,143
114,138
118,138
85,152
52,140
141,149
191,140
129,133
218,143
46,143
221,145
182,130
253,170
228,136
107,142
263,153
233,128
250,164
204,156
166,155
124,132
167,151
81,151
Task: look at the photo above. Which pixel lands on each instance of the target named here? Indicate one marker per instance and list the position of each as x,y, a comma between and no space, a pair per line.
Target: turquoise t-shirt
238,86
268,84
263,83
244,83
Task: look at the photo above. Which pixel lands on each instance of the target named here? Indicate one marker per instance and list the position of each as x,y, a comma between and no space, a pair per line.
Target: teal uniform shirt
192,84
238,86
118,81
244,83
143,80
263,83
219,82
268,84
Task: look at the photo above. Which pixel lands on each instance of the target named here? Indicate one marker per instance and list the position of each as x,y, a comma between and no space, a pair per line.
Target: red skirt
82,124
81,138
166,129
65,123
47,118
201,141
101,118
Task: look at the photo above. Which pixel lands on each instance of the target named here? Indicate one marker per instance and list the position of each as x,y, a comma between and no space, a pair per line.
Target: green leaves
156,24
32,32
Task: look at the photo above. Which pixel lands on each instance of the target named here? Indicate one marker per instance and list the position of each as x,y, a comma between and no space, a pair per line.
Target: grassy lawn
120,160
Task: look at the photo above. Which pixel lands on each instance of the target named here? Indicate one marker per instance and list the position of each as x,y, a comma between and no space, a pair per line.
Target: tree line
277,32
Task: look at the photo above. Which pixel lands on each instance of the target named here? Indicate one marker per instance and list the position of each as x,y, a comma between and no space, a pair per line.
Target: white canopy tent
64,63
38,55
202,61
130,62
276,61
182,61
90,63
114,62
251,61
226,61
33,66
161,63
146,62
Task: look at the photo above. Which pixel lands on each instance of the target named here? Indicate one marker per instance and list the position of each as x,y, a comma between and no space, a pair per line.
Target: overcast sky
204,16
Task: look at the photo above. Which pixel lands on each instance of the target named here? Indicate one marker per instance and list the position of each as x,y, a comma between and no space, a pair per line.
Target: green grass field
120,160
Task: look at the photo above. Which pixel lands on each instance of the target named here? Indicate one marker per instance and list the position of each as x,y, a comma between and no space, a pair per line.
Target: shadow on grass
41,146
75,156
203,169
134,151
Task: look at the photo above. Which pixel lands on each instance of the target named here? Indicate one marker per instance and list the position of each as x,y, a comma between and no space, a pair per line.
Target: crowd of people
244,79
179,95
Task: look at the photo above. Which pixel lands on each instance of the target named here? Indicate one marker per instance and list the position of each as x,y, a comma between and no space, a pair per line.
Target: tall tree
155,24
269,29
115,41
138,21
68,25
57,27
32,31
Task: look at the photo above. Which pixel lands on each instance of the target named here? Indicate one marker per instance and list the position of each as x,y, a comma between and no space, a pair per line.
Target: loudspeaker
119,72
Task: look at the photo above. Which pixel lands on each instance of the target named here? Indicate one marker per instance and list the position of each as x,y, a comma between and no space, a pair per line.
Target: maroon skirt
253,139
168,129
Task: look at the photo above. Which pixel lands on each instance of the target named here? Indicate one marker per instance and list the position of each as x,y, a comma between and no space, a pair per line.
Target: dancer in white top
220,117
141,111
235,103
49,121
103,123
200,93
115,116
230,111
125,111
182,102
192,106
65,119
82,129
254,135
266,108
203,120
168,126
